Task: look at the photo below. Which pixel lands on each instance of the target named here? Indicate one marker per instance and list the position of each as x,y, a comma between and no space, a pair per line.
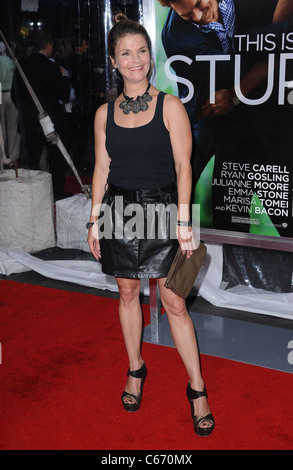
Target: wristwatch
89,225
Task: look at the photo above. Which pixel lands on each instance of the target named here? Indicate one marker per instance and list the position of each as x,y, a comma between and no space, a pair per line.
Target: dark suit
248,133
80,118
50,87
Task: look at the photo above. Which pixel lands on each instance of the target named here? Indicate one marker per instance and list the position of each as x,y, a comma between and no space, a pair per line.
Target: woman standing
143,145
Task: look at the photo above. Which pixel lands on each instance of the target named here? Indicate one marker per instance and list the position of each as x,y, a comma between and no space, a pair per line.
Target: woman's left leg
184,338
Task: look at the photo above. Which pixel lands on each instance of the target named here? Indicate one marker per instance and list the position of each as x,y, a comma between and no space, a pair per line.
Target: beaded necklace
135,106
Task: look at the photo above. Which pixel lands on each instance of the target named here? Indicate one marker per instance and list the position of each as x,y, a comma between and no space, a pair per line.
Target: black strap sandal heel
137,374
198,420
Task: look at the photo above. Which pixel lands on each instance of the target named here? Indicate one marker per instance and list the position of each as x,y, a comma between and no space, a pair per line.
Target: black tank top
141,157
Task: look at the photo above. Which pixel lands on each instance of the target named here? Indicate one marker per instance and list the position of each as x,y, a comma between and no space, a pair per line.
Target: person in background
78,68
8,111
208,27
51,88
229,129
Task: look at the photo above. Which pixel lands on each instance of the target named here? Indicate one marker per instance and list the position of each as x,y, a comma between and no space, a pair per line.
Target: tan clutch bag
183,271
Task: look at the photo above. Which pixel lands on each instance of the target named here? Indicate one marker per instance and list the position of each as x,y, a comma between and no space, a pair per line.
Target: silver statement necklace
140,104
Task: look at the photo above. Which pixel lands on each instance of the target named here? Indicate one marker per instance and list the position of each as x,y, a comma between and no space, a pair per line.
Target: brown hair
122,26
41,39
166,3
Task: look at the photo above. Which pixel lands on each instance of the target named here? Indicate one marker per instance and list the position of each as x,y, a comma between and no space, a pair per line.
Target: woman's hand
93,241
186,240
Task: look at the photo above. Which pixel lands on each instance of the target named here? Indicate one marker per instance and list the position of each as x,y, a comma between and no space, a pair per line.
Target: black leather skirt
137,231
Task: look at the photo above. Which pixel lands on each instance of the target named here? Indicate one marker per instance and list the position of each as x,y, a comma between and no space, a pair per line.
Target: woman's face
132,57
197,11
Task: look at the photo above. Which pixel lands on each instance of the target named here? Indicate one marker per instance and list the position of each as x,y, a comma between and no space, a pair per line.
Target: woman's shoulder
174,111
172,102
171,98
168,99
101,117
101,112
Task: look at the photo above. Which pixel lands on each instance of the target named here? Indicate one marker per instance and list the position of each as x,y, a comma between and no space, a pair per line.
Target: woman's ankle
136,364
197,384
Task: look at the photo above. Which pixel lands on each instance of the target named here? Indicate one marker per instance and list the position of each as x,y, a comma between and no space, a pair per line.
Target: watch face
89,225
235,100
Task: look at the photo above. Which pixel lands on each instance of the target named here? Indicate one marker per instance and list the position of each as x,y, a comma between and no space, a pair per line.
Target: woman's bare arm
101,171
178,124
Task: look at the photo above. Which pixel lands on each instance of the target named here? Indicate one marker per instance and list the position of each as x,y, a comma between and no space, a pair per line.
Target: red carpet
64,368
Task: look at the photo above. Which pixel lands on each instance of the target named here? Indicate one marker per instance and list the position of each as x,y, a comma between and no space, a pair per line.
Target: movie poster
235,78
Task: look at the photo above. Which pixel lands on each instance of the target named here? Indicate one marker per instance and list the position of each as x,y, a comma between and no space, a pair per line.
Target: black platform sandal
198,420
137,374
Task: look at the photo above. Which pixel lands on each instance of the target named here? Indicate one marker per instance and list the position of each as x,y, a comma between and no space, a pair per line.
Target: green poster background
262,224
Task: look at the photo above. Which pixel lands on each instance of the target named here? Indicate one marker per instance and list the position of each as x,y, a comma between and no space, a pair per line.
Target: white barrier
72,214
26,210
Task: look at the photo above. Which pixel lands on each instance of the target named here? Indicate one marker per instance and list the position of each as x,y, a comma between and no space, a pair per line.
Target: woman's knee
172,303
174,306
129,290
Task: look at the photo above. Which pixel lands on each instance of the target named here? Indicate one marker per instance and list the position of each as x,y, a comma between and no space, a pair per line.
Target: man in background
51,88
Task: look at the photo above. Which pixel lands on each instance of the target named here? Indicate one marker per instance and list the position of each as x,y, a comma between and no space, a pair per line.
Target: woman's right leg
130,315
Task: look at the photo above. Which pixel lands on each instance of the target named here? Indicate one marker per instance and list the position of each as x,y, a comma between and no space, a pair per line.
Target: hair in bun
122,26
120,17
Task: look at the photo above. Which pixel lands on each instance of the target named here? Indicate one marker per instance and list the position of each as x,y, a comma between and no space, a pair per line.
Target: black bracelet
184,223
